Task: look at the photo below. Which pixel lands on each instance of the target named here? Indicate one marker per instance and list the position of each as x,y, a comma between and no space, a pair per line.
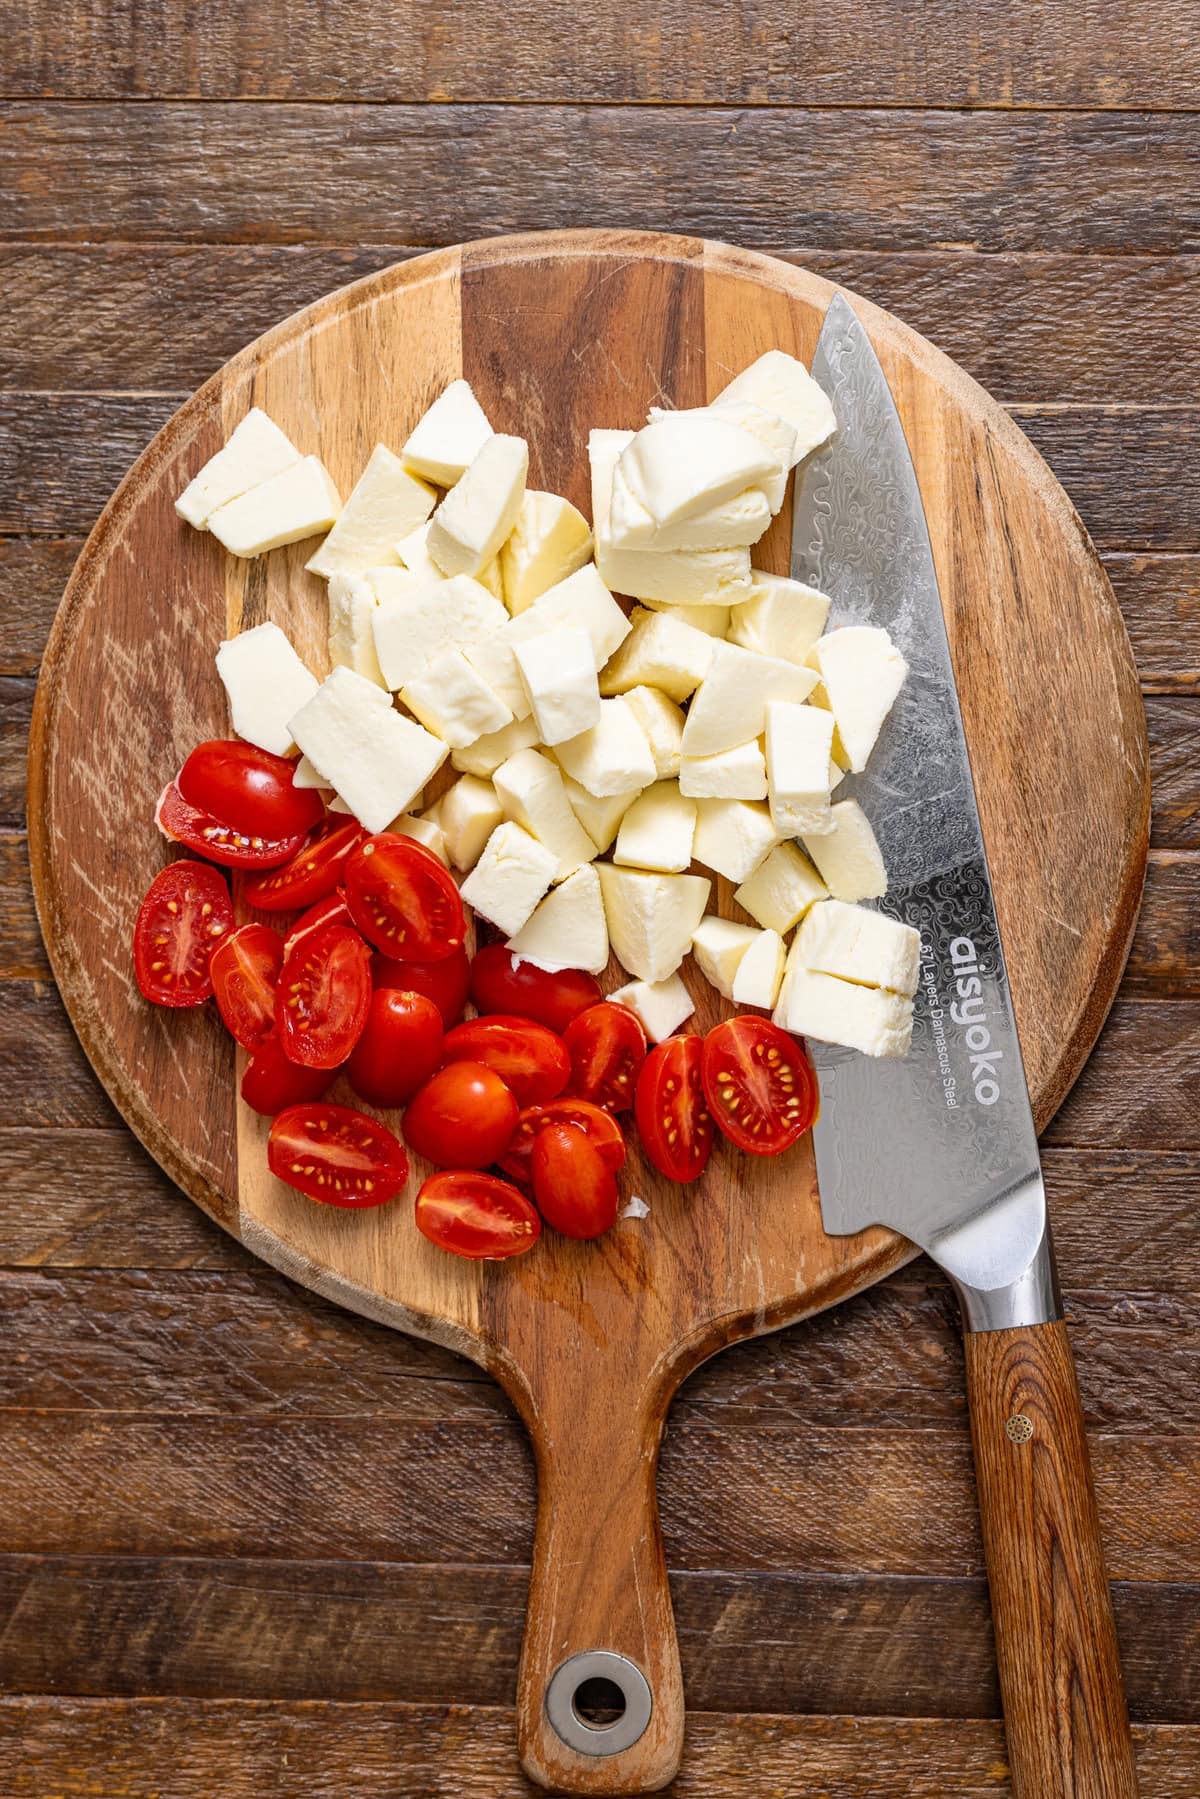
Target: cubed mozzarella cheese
731,705
376,760
305,775
662,721
861,672
857,945
683,464
658,830
781,889
422,830
447,438
776,435
416,619
468,813
550,540
484,756
718,945
581,600
257,450
481,509
530,789
733,836
661,1006
660,651
760,971
799,745
847,857
613,756
266,683
779,384
600,817
352,606
511,876
736,774
651,917
868,1019
568,928
385,504
413,552
453,700
736,522
296,503
673,578
712,620
782,618
558,672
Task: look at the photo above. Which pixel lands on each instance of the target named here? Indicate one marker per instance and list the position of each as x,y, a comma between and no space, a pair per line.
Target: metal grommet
1019,1428
562,1695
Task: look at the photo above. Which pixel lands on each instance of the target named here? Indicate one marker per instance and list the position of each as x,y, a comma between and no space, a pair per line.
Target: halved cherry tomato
529,1059
249,789
399,1049
673,1121
575,1189
759,1085
315,869
462,1117
185,914
607,1046
184,823
499,983
403,899
476,1215
445,982
245,967
271,1082
336,1155
323,997
600,1126
330,910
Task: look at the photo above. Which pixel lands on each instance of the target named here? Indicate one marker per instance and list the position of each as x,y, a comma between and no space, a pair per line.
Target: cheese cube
799,744
775,434
377,761
413,552
600,818
568,928
530,789
661,1006
781,889
760,972
422,830
452,700
684,464
778,383
848,857
736,774
861,671
257,449
266,683
481,509
737,521
415,620
510,877
558,671
658,830
782,618
718,945
484,756
681,577
468,813
447,438
651,917
613,756
296,503
660,651
712,620
581,600
864,1018
731,705
550,540
857,945
352,606
662,721
305,775
385,503
733,836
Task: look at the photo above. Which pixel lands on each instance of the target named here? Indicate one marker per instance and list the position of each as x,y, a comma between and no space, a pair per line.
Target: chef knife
940,1145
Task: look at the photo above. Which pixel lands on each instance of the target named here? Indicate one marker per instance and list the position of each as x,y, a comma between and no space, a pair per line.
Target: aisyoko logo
968,1013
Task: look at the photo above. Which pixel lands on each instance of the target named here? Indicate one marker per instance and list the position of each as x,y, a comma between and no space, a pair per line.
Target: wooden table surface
252,1544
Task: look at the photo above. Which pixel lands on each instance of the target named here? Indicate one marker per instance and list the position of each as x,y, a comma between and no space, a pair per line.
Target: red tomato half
399,1049
673,1121
463,1117
184,823
185,914
403,899
271,1082
529,1059
331,910
245,967
476,1215
500,984
595,1123
759,1085
249,789
575,1189
336,1155
607,1046
315,869
323,997
445,982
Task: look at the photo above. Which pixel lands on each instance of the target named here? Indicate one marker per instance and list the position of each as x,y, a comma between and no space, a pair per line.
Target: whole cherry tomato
573,1185
249,789
462,1117
271,1082
501,983
398,1050
445,982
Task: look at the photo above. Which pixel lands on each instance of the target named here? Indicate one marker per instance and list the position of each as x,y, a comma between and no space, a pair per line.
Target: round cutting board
558,333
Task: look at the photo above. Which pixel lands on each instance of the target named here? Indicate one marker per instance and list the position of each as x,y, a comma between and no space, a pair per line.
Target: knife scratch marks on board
1062,922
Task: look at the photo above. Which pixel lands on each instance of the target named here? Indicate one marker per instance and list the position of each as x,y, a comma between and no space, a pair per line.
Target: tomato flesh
529,1059
248,789
476,1215
336,1155
607,1047
330,910
184,823
599,1126
403,900
573,1185
184,916
500,983
399,1049
314,870
446,982
323,996
245,969
673,1119
462,1117
759,1084
271,1082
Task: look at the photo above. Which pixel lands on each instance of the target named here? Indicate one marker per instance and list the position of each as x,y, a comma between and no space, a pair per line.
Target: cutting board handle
1056,1641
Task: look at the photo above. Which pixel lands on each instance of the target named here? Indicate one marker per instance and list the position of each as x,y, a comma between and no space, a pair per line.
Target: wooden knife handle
1056,1642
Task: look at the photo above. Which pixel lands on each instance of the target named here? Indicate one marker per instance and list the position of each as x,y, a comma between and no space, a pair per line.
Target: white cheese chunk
712,620
257,449
861,671
857,945
681,577
778,383
266,683
413,552
581,600
468,813
600,817
799,746
651,917
739,521
660,651
385,503
781,889
718,945
296,503
453,700
864,1018
733,836
683,464
776,435
662,721
760,972
613,756
422,830
447,438
658,830
481,509
511,876
731,705
484,756
352,606
736,774
376,760
819,697
530,789
847,857
558,672
305,775
550,540
661,1006
568,928
415,620
782,618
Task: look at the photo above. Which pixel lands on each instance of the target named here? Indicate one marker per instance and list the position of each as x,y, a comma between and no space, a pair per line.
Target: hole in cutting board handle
599,1703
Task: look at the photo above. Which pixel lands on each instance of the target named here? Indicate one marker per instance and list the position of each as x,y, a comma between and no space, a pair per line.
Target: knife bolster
1032,1298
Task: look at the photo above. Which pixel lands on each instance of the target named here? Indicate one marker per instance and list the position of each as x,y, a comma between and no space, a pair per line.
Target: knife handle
1056,1640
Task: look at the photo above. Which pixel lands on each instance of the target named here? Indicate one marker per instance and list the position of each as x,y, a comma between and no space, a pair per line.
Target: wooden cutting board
557,333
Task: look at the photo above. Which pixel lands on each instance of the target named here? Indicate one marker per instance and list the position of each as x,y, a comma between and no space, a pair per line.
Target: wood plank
1173,727
44,1075
16,705
22,953
33,574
